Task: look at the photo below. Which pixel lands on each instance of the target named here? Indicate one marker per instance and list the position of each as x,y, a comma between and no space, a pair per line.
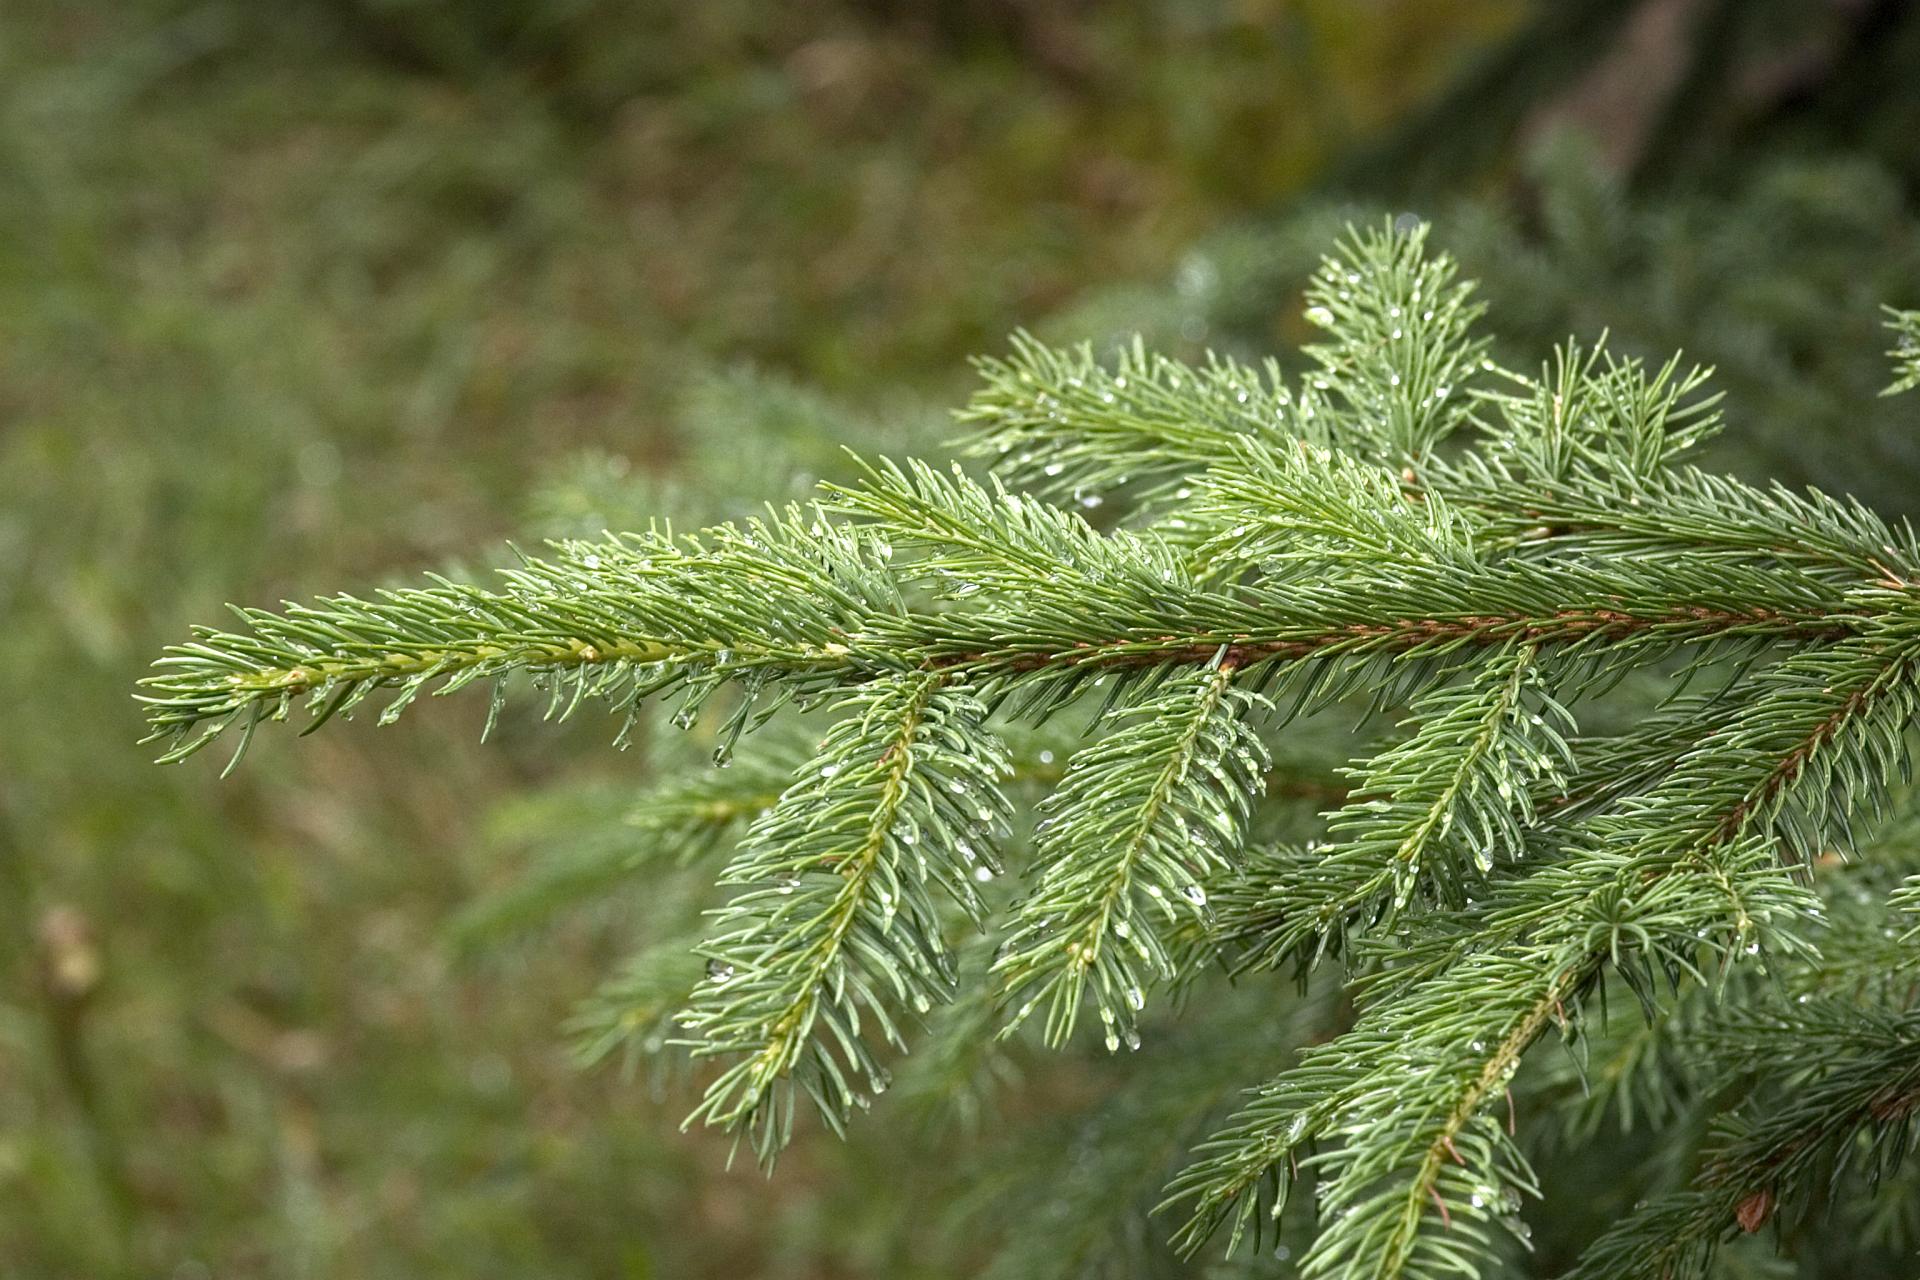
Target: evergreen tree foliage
1641,794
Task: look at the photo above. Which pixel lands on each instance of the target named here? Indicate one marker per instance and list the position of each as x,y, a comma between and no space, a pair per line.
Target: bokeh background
315,294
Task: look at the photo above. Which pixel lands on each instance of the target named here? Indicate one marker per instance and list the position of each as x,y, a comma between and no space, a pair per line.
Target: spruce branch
1842,1106
1059,425
1436,809
629,617
1299,510
1390,382
589,846
1410,532
1905,352
632,1012
1400,353
1142,819
836,925
1593,413
1691,861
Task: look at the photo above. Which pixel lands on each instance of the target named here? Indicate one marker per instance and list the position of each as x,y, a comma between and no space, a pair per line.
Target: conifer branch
1691,860
1905,353
1059,425
1409,527
1400,350
1140,822
1438,808
836,921
1843,1106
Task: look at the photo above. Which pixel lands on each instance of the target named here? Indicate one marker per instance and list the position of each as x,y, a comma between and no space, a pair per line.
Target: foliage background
304,295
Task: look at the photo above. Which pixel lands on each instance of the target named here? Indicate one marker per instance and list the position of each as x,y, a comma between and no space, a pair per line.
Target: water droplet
983,873
1320,316
1195,894
719,972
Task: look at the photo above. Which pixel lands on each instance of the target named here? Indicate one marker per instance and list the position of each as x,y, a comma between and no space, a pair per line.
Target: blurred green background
305,295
